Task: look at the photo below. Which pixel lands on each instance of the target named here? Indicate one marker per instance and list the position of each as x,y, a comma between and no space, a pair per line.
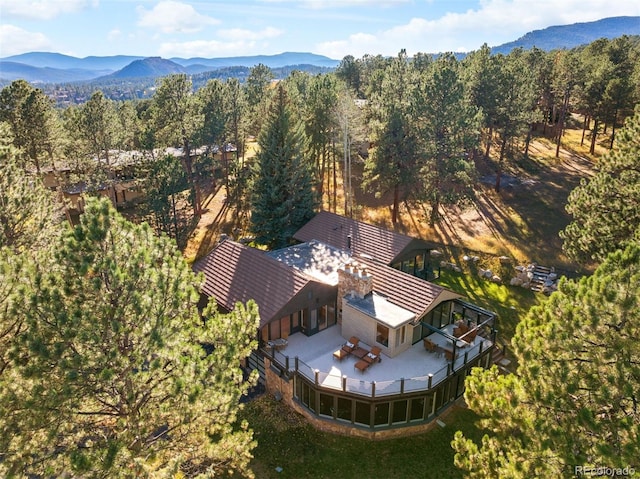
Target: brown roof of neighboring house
234,272
402,289
379,243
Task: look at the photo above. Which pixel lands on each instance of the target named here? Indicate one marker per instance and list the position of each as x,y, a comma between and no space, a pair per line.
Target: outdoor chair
373,355
351,345
430,345
362,365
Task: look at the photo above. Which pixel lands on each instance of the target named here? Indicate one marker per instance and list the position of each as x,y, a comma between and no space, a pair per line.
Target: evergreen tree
606,208
283,196
32,120
109,376
574,398
393,164
449,131
27,208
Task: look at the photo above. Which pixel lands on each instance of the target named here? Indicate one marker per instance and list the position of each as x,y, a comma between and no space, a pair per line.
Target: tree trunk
500,160
594,134
396,201
335,178
490,135
585,126
435,206
527,141
188,166
613,129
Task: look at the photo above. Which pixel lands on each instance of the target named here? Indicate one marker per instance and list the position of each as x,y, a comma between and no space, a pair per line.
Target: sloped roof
404,290
234,272
379,243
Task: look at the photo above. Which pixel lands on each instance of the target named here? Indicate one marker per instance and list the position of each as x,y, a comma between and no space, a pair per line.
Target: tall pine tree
573,400
283,195
107,374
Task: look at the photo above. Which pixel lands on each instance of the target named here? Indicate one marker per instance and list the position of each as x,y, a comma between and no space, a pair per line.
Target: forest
105,365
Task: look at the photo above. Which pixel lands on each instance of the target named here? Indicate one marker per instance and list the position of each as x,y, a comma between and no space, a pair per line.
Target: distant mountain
571,36
64,62
272,61
148,67
15,71
54,67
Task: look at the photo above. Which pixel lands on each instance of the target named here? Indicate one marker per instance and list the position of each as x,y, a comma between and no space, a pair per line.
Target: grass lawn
509,302
286,440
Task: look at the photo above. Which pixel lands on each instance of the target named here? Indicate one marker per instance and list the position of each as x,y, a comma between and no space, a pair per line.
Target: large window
381,414
344,409
399,412
363,413
382,334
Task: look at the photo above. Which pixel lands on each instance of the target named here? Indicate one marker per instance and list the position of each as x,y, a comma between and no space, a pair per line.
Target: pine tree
606,208
283,196
109,376
574,398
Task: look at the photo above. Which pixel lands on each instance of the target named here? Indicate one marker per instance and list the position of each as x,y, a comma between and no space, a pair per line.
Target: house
415,341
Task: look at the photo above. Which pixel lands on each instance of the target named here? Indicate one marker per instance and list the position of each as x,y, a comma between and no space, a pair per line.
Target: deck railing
374,389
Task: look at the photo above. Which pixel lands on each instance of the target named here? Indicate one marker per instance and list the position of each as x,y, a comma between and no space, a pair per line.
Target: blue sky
335,28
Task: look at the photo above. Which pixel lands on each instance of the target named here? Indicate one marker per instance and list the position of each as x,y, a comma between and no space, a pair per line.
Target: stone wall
353,279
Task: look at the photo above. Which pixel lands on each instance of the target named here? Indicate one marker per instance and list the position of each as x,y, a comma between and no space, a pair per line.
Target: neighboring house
314,297
125,187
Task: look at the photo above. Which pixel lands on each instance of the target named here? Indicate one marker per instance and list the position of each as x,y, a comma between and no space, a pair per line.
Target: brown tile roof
333,229
404,290
234,272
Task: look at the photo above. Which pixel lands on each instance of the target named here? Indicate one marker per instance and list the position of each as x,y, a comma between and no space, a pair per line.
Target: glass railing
378,388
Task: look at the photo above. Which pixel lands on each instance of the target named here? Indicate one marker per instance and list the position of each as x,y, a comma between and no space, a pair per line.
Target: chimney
353,280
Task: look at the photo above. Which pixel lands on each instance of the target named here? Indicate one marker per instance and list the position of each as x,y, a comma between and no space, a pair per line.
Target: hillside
570,36
148,67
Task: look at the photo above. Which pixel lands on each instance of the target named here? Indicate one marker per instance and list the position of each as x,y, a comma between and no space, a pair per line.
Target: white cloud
495,22
41,9
15,40
209,49
174,17
240,34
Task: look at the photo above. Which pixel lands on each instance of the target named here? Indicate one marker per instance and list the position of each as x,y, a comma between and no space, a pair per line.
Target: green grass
286,440
511,303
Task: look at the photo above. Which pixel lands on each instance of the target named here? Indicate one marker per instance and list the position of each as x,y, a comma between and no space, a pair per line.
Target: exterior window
326,405
363,413
331,314
344,409
382,335
417,409
399,412
400,335
322,318
381,415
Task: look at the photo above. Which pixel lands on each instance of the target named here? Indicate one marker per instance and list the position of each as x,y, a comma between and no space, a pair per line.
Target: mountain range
42,67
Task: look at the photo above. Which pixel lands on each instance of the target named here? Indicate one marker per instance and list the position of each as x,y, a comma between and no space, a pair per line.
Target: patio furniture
351,345
278,344
362,365
359,352
430,345
340,354
373,356
448,353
